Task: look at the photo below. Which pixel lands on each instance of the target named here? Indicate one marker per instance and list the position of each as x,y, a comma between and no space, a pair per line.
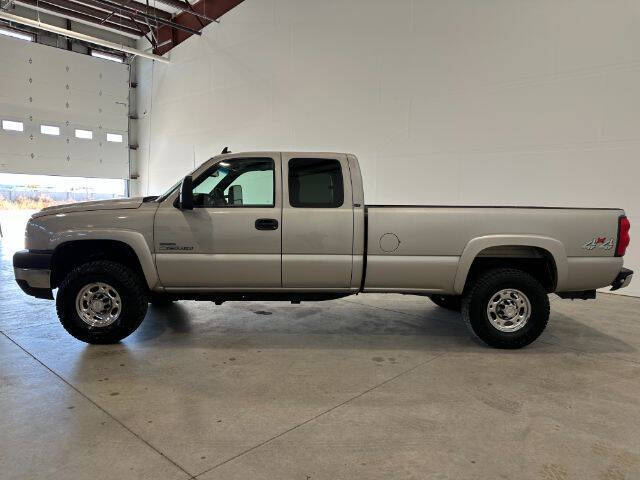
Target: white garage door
62,113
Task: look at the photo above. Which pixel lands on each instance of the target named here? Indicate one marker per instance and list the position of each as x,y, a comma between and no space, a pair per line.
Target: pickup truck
294,227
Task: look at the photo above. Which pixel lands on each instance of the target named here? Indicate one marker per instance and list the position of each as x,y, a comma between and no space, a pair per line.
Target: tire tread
485,281
136,307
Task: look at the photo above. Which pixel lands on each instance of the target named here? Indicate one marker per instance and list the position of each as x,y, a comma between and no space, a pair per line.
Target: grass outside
23,202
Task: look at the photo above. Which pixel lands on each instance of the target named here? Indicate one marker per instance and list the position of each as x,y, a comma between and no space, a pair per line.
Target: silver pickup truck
294,227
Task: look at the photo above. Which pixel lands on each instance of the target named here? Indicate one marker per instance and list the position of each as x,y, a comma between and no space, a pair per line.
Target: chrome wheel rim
508,310
98,304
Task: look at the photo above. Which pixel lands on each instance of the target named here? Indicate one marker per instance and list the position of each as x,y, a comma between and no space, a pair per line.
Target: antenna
225,150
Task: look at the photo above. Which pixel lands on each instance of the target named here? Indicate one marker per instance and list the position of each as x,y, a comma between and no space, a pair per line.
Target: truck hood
113,204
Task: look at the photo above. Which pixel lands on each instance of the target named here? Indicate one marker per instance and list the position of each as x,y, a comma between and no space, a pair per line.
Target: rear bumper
33,273
623,279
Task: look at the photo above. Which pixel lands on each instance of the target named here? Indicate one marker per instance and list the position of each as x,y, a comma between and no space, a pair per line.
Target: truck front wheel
506,308
101,302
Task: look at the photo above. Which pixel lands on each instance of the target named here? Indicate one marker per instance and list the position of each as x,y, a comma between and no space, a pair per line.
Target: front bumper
33,272
622,280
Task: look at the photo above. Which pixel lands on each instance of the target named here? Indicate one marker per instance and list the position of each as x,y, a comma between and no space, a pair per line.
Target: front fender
477,245
133,239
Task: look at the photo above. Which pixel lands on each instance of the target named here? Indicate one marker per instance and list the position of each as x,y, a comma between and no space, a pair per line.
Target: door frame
190,259
327,257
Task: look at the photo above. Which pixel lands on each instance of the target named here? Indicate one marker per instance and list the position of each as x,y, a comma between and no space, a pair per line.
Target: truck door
231,240
317,222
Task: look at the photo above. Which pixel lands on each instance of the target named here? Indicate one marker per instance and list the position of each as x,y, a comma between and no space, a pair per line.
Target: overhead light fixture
106,56
10,32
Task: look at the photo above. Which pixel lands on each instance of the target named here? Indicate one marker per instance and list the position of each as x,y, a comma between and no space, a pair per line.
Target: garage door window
315,183
49,130
84,134
14,126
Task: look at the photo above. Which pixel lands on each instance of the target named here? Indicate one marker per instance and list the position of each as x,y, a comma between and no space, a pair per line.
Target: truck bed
431,248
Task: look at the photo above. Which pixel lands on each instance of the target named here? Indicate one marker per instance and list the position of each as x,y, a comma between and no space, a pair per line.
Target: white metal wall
45,85
445,102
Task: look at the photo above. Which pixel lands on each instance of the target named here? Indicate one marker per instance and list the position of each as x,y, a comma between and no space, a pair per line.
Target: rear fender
477,245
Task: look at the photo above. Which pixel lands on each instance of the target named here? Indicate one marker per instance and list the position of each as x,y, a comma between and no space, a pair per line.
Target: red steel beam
106,17
130,4
213,9
151,18
185,6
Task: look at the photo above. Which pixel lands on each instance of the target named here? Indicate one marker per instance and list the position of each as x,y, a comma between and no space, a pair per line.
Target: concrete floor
372,387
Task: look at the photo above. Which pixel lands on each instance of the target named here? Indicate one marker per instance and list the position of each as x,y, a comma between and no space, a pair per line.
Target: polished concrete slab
371,386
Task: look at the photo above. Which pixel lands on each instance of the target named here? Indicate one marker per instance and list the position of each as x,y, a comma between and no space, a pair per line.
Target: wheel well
70,255
536,261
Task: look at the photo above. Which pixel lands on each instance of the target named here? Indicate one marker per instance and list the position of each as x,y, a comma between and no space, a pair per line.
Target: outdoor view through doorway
23,195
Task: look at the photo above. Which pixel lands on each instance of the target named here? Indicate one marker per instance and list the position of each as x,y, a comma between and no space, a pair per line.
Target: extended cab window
315,183
247,182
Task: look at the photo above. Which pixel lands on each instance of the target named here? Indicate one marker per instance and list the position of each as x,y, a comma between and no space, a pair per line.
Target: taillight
623,236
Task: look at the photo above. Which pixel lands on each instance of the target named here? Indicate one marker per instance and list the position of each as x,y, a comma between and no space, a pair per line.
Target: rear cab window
315,183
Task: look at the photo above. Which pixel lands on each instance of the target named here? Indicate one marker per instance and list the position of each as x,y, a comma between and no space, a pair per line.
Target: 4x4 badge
599,242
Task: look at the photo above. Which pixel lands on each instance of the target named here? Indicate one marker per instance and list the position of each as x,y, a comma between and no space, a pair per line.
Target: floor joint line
281,434
106,412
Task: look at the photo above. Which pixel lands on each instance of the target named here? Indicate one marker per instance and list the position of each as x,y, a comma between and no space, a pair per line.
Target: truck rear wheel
506,308
450,302
101,302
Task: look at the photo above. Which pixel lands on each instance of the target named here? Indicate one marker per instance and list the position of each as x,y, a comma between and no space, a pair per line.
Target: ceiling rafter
136,19
213,9
73,13
131,5
105,17
125,7
144,33
185,6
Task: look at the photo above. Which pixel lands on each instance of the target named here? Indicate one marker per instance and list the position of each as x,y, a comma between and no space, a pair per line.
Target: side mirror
235,195
186,193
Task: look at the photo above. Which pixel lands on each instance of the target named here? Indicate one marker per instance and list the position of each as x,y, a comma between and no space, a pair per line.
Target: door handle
266,224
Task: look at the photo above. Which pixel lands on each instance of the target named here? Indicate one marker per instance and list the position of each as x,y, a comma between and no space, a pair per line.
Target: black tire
160,300
128,285
450,302
485,288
